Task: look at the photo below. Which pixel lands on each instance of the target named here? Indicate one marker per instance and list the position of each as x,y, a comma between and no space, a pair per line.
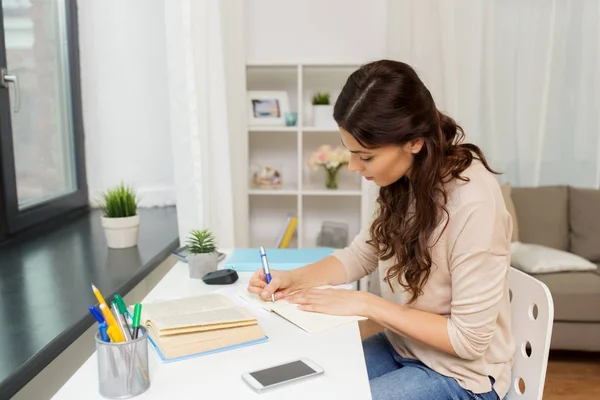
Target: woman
440,239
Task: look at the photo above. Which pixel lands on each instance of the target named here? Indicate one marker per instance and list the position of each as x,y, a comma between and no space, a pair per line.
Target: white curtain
199,119
521,77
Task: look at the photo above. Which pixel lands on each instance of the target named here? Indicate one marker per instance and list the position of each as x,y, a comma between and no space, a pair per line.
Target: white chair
532,317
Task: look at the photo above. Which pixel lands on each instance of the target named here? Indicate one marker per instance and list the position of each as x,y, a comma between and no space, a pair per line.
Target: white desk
338,351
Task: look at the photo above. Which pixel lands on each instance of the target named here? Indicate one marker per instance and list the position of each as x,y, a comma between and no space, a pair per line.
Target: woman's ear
415,145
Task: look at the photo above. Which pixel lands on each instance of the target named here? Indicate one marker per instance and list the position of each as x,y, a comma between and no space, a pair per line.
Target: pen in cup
103,334
137,311
124,312
112,323
266,270
97,314
120,323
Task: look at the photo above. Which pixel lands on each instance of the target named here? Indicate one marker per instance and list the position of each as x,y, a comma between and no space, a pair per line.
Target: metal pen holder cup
123,367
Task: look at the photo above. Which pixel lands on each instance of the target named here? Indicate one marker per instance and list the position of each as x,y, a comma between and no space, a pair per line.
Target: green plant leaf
201,242
320,98
119,202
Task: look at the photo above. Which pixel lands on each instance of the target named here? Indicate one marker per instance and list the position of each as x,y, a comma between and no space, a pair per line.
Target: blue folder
248,260
205,353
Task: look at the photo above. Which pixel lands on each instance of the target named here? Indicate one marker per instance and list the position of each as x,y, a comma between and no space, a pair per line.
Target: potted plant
120,218
322,111
203,256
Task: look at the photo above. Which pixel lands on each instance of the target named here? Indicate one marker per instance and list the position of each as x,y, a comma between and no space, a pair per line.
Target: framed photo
267,107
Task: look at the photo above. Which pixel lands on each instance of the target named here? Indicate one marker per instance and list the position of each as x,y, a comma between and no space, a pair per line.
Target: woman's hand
282,283
332,301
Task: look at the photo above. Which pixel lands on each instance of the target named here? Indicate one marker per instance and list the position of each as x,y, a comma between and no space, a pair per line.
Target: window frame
14,221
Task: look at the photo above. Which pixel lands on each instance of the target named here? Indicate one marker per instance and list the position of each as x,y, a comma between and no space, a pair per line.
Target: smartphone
279,375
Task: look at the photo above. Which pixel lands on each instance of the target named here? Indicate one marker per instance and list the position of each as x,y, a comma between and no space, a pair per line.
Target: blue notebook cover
248,260
205,353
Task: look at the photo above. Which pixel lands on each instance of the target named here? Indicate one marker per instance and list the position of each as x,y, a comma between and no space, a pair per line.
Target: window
42,166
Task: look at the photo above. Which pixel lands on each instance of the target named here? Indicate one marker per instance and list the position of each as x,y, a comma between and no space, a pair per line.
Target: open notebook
311,322
199,325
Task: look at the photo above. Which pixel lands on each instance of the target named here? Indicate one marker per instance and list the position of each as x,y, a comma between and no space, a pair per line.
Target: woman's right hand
282,283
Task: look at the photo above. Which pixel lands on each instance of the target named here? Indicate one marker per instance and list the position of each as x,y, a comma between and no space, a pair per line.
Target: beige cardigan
468,284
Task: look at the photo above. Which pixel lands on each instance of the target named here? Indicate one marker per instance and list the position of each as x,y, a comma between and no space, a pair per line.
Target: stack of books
200,325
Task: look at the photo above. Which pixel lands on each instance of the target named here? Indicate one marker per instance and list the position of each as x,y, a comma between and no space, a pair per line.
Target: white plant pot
121,232
201,264
323,116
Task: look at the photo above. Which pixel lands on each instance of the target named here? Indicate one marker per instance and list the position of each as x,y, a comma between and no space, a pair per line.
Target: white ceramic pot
201,264
323,116
121,232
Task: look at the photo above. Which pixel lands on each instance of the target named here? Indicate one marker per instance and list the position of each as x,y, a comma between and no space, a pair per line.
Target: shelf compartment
268,217
275,78
276,150
329,79
315,179
318,209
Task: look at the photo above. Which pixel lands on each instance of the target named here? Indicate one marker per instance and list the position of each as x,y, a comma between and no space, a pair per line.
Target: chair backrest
532,318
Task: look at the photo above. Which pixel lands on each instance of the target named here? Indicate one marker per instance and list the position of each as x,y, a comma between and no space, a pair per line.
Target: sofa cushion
543,215
510,207
538,259
576,295
584,215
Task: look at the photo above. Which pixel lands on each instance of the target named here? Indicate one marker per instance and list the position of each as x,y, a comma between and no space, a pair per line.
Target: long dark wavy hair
386,103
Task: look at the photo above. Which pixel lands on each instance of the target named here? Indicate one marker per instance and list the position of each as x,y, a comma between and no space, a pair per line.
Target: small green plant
320,99
201,242
119,202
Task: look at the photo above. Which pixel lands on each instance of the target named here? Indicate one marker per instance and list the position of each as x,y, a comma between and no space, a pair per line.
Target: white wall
124,95
324,31
123,68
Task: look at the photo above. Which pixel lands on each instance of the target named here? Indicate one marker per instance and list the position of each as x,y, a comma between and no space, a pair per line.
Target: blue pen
265,266
97,314
103,335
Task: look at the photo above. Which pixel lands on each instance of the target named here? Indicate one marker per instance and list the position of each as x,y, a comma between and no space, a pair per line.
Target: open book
311,322
198,325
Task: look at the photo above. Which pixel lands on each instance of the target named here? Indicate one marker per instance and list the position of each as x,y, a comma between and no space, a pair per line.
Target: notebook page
255,300
313,322
309,321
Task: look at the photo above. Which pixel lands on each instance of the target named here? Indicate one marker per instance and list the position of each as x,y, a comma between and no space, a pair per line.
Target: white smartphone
281,374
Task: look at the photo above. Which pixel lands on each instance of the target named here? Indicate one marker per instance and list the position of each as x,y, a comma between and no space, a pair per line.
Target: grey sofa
565,218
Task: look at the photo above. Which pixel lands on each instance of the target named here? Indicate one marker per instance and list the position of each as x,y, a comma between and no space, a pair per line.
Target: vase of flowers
331,160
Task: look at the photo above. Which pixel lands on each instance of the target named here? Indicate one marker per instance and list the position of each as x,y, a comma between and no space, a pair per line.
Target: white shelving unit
303,192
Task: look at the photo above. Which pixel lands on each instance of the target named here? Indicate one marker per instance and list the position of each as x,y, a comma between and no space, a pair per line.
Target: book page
187,305
194,311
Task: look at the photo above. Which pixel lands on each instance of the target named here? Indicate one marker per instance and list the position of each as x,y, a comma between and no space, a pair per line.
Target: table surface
45,279
338,351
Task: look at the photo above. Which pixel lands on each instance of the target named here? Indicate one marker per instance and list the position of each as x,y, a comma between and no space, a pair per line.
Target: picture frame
267,108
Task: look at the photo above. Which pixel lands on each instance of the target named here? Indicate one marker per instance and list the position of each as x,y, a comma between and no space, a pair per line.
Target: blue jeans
393,377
